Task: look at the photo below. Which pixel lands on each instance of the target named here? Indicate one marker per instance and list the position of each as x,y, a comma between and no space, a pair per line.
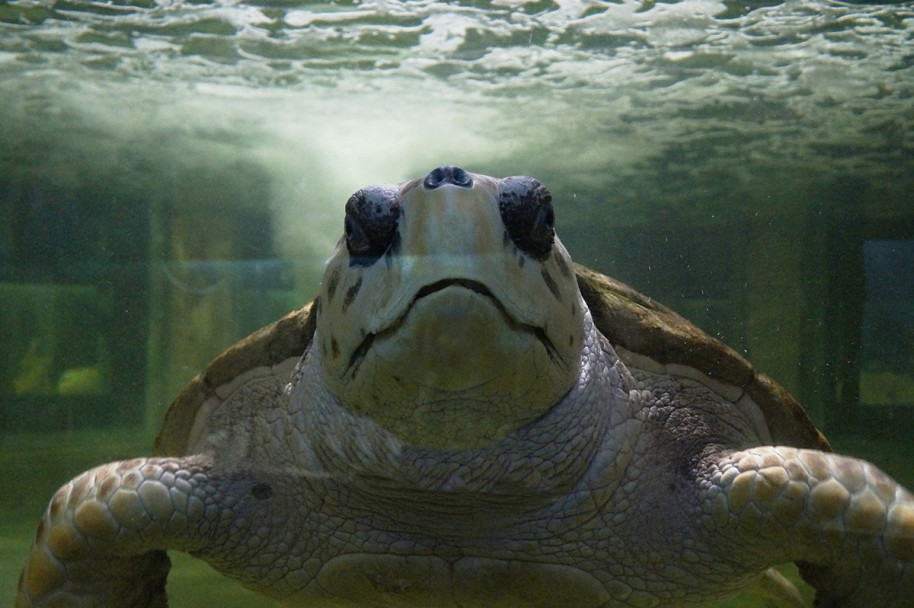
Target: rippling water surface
595,92
729,158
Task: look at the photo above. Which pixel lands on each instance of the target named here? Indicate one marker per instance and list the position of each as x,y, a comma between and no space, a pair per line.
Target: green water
173,176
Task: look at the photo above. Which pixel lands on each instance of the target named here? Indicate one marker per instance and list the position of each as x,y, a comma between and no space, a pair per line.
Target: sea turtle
446,425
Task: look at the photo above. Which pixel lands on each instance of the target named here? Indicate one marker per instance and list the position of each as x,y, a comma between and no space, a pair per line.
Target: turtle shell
646,335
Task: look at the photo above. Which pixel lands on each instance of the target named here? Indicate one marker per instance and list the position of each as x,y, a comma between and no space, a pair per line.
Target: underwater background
173,175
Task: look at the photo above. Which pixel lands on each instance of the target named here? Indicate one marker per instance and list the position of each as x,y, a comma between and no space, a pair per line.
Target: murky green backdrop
173,174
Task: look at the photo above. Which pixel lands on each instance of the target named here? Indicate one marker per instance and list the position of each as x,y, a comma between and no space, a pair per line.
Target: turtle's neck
546,456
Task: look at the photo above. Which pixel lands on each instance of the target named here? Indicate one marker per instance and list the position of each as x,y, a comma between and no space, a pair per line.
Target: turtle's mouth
477,287
469,284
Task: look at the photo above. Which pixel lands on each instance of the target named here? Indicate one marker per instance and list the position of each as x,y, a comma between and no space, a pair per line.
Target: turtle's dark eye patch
526,211
371,221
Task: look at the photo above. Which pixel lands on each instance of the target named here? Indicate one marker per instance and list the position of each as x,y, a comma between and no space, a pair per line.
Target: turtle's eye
371,223
526,210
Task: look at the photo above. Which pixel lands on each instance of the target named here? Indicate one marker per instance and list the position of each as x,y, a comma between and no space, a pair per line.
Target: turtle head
450,313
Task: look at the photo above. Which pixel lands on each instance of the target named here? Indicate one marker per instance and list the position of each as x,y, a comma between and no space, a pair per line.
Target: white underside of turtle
463,417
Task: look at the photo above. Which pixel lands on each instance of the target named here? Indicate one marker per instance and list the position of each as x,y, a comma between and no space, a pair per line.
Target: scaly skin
850,522
101,541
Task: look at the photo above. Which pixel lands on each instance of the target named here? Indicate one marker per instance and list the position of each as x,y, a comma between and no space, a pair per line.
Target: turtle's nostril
448,175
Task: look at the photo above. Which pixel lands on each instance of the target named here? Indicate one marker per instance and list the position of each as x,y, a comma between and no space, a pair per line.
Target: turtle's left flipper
849,525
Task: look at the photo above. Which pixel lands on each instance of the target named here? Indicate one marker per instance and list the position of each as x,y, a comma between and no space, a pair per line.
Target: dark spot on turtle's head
332,281
262,491
550,283
351,293
334,348
564,268
359,354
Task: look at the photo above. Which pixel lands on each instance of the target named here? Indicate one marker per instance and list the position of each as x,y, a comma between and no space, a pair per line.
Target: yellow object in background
80,381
